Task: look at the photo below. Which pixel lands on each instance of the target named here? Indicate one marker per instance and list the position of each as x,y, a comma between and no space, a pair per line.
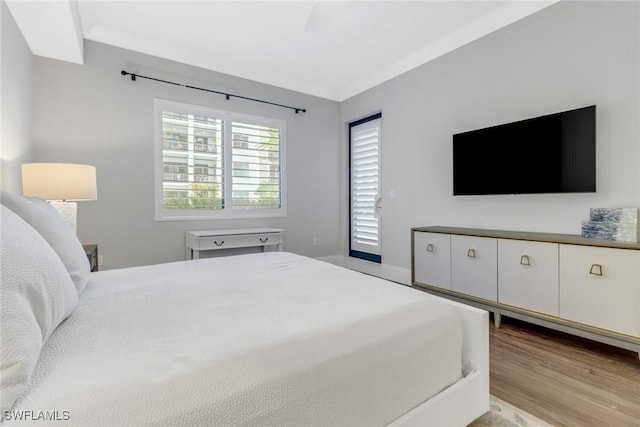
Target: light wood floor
564,380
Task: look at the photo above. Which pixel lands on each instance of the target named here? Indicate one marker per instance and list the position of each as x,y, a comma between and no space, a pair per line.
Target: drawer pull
264,240
524,260
218,244
596,269
430,247
471,253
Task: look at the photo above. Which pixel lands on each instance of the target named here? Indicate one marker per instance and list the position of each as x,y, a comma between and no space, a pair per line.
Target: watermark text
30,415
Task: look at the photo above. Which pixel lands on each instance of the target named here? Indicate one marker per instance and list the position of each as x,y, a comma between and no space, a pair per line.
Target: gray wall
15,109
569,55
91,114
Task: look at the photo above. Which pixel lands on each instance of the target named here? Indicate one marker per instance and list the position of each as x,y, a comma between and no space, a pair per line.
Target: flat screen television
555,153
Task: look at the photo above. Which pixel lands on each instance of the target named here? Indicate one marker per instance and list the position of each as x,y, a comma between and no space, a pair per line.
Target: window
217,164
364,189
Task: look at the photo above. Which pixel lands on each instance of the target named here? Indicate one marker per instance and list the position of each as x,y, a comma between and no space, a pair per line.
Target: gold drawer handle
596,269
264,240
430,247
524,260
218,244
471,253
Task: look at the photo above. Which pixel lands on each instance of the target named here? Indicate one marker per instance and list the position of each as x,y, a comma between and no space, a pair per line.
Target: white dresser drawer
474,266
432,252
601,287
528,275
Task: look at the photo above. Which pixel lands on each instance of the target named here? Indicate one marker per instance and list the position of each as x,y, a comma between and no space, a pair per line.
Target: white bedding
262,339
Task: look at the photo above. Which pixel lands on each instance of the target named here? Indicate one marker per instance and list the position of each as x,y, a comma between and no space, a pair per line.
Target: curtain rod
227,95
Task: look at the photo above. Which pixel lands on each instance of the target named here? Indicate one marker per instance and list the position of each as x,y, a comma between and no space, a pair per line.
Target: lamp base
68,211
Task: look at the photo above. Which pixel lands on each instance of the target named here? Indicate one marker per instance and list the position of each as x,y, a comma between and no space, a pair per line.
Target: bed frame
467,399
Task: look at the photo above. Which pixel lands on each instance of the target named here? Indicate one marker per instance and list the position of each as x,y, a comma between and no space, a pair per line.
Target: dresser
586,287
213,240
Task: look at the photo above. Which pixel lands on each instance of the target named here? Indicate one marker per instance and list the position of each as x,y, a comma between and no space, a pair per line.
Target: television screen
555,153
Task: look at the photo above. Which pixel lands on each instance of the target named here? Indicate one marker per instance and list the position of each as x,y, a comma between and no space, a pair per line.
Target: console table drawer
211,240
239,241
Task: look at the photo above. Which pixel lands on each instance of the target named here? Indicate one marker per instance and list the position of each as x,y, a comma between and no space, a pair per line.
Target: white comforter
262,339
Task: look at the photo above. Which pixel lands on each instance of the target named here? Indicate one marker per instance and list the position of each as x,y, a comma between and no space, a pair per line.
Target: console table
209,240
586,287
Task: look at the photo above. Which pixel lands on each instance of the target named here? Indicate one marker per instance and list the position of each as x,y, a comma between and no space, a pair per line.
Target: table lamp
62,184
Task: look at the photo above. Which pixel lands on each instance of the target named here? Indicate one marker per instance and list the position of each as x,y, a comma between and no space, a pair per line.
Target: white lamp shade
59,181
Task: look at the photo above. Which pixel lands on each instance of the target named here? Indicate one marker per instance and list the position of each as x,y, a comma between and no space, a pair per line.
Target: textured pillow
48,222
37,294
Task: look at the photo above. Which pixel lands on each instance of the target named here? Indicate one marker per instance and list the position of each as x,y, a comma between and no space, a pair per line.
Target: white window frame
227,212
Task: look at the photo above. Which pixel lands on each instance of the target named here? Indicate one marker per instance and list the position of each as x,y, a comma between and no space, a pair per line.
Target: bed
260,339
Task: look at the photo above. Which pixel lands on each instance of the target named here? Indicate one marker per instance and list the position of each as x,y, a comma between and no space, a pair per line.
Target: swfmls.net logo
28,415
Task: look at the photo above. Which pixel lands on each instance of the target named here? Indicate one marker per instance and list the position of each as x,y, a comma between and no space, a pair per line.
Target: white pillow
47,221
37,294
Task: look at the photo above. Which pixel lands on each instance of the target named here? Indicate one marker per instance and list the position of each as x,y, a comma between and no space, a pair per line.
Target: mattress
261,339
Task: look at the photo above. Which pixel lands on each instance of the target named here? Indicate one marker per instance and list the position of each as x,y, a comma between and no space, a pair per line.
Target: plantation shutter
365,189
256,166
192,169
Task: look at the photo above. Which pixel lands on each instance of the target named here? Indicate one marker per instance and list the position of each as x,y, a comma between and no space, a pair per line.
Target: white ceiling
331,49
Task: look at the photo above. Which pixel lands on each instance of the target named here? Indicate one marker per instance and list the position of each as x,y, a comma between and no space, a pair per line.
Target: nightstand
92,255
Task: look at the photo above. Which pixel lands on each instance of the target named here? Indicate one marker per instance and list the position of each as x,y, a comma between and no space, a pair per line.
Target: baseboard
384,271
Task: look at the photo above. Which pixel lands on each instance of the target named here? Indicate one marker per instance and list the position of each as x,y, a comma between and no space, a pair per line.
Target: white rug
502,414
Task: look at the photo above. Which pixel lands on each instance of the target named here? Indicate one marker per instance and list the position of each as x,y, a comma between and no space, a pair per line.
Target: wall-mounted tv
555,153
